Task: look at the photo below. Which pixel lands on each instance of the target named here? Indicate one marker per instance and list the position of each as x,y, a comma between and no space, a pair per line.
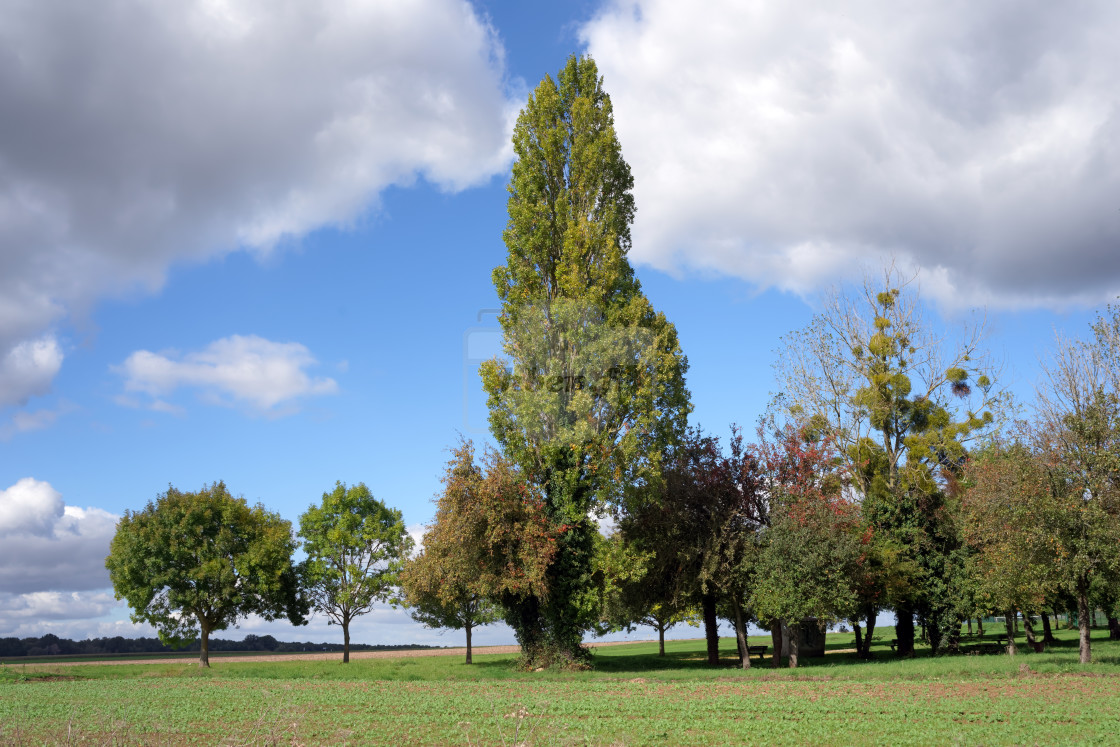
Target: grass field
633,697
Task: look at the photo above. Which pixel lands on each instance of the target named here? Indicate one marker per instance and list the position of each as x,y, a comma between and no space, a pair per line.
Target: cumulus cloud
30,507
786,144
234,370
48,546
136,134
28,368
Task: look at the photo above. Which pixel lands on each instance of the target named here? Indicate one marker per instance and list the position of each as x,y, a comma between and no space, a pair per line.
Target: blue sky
253,241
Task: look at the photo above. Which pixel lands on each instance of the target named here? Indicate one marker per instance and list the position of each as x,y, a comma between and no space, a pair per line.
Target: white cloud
788,144
137,134
237,369
30,507
28,368
416,532
47,546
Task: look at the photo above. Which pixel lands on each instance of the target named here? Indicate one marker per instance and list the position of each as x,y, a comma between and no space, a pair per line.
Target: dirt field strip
309,656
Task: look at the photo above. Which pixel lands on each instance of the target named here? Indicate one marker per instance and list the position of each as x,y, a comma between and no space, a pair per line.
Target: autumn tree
442,585
355,545
193,563
499,539
1077,435
902,403
591,385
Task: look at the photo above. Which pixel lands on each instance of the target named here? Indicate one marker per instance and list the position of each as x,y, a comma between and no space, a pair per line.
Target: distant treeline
52,645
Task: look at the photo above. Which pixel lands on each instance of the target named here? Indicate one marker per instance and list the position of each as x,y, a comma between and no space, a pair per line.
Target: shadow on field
690,655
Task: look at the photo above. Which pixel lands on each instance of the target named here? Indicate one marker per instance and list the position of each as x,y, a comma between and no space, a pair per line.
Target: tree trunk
660,639
204,645
970,627
1028,627
904,630
794,642
523,615
711,628
866,652
952,639
859,638
345,640
1047,631
980,627
468,627
1009,625
1083,620
1113,629
741,635
776,643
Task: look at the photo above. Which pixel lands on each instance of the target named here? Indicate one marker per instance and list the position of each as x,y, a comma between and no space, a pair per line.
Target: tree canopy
355,546
192,563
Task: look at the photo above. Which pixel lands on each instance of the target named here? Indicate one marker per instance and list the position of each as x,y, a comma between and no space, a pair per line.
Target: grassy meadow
633,697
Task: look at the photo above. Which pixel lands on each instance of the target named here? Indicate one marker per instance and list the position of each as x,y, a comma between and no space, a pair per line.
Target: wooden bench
760,650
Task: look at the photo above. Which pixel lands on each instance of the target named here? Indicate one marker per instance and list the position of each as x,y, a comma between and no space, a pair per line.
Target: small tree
193,563
638,589
442,584
810,553
1007,510
355,545
491,539
700,521
441,596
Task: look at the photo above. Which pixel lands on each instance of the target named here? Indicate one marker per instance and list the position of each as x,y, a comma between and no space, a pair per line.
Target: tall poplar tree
591,385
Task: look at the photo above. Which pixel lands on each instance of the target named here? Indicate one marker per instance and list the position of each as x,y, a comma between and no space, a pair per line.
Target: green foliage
355,545
899,403
1077,437
592,385
1008,510
192,563
809,561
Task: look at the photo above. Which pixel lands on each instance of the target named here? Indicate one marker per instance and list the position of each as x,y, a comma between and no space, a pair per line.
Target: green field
633,697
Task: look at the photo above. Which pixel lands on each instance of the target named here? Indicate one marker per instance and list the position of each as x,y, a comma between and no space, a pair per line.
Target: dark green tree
355,546
809,553
193,563
591,387
699,523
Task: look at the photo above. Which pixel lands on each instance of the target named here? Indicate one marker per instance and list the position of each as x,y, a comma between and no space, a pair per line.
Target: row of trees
190,564
888,474
52,645
874,482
